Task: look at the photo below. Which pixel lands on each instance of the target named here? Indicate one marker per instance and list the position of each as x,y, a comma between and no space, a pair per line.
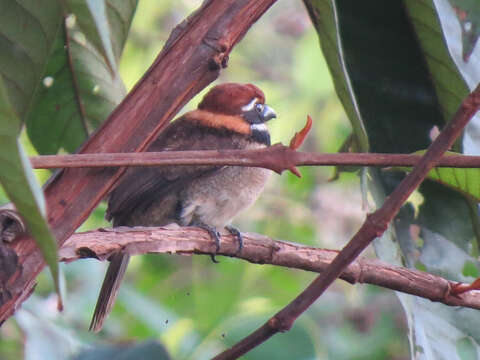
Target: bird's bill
268,113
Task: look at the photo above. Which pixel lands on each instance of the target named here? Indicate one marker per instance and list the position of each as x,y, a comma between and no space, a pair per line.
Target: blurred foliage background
197,308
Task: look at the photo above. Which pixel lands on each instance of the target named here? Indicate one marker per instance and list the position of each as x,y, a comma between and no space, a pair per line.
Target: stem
261,158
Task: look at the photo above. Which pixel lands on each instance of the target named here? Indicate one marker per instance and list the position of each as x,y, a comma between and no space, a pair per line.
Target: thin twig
262,158
259,249
374,226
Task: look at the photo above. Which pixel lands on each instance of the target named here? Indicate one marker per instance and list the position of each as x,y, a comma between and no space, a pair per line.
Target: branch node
220,59
376,223
86,253
11,224
278,325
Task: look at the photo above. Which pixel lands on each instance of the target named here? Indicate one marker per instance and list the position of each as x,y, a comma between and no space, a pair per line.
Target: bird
230,116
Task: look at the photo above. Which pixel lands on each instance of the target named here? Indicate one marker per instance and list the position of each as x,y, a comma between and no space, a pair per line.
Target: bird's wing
142,186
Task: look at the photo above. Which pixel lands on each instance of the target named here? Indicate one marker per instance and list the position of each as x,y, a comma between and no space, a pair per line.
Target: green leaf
27,34
450,87
105,24
468,14
148,350
405,84
20,185
470,269
92,21
60,66
464,180
466,349
81,85
324,18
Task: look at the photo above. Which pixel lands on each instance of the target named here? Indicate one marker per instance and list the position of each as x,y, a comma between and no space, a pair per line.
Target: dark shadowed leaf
406,84
323,15
449,86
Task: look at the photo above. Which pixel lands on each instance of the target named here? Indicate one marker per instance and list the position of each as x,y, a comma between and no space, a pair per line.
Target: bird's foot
238,235
214,234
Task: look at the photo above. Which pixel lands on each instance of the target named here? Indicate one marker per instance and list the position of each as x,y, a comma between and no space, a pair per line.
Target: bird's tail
109,291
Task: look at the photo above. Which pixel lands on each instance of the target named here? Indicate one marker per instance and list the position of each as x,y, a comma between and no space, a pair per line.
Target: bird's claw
238,235
215,235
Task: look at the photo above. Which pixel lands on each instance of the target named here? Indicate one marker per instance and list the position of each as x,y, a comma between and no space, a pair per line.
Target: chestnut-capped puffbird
230,116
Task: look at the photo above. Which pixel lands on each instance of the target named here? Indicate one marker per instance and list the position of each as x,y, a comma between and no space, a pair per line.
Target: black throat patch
260,135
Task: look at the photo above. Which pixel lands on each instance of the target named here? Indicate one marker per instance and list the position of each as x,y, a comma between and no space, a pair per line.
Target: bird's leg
238,235
214,234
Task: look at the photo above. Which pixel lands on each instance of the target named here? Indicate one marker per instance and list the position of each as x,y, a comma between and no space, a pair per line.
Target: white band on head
250,105
259,127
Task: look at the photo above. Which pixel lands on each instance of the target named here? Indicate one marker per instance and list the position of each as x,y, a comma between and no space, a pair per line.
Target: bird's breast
217,198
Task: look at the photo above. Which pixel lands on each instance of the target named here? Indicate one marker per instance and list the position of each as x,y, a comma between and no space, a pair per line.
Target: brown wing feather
140,187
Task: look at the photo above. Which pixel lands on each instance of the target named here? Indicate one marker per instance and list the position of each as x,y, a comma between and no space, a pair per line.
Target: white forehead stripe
259,127
250,105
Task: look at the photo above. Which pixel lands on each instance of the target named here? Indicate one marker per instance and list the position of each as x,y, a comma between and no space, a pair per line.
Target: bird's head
237,107
245,100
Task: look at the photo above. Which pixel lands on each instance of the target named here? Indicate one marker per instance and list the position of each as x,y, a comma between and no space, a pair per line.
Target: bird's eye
259,107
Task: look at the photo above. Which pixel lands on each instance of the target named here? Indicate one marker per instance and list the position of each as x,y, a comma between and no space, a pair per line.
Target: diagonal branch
259,249
201,44
374,226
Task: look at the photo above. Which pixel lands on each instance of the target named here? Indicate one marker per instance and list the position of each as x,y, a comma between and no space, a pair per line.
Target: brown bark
201,44
271,158
260,249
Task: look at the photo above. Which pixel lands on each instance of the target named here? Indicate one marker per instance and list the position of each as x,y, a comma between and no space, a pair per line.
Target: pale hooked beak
268,113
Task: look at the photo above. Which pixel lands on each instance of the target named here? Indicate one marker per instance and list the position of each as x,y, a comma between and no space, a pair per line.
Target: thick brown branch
259,249
191,59
373,227
270,158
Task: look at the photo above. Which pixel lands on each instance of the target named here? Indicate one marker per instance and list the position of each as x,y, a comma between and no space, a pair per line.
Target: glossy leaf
449,85
19,183
27,35
81,84
464,180
406,85
324,17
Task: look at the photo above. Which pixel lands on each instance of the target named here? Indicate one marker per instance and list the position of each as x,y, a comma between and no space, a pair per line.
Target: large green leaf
406,84
450,88
81,85
464,180
27,33
323,15
20,185
105,24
